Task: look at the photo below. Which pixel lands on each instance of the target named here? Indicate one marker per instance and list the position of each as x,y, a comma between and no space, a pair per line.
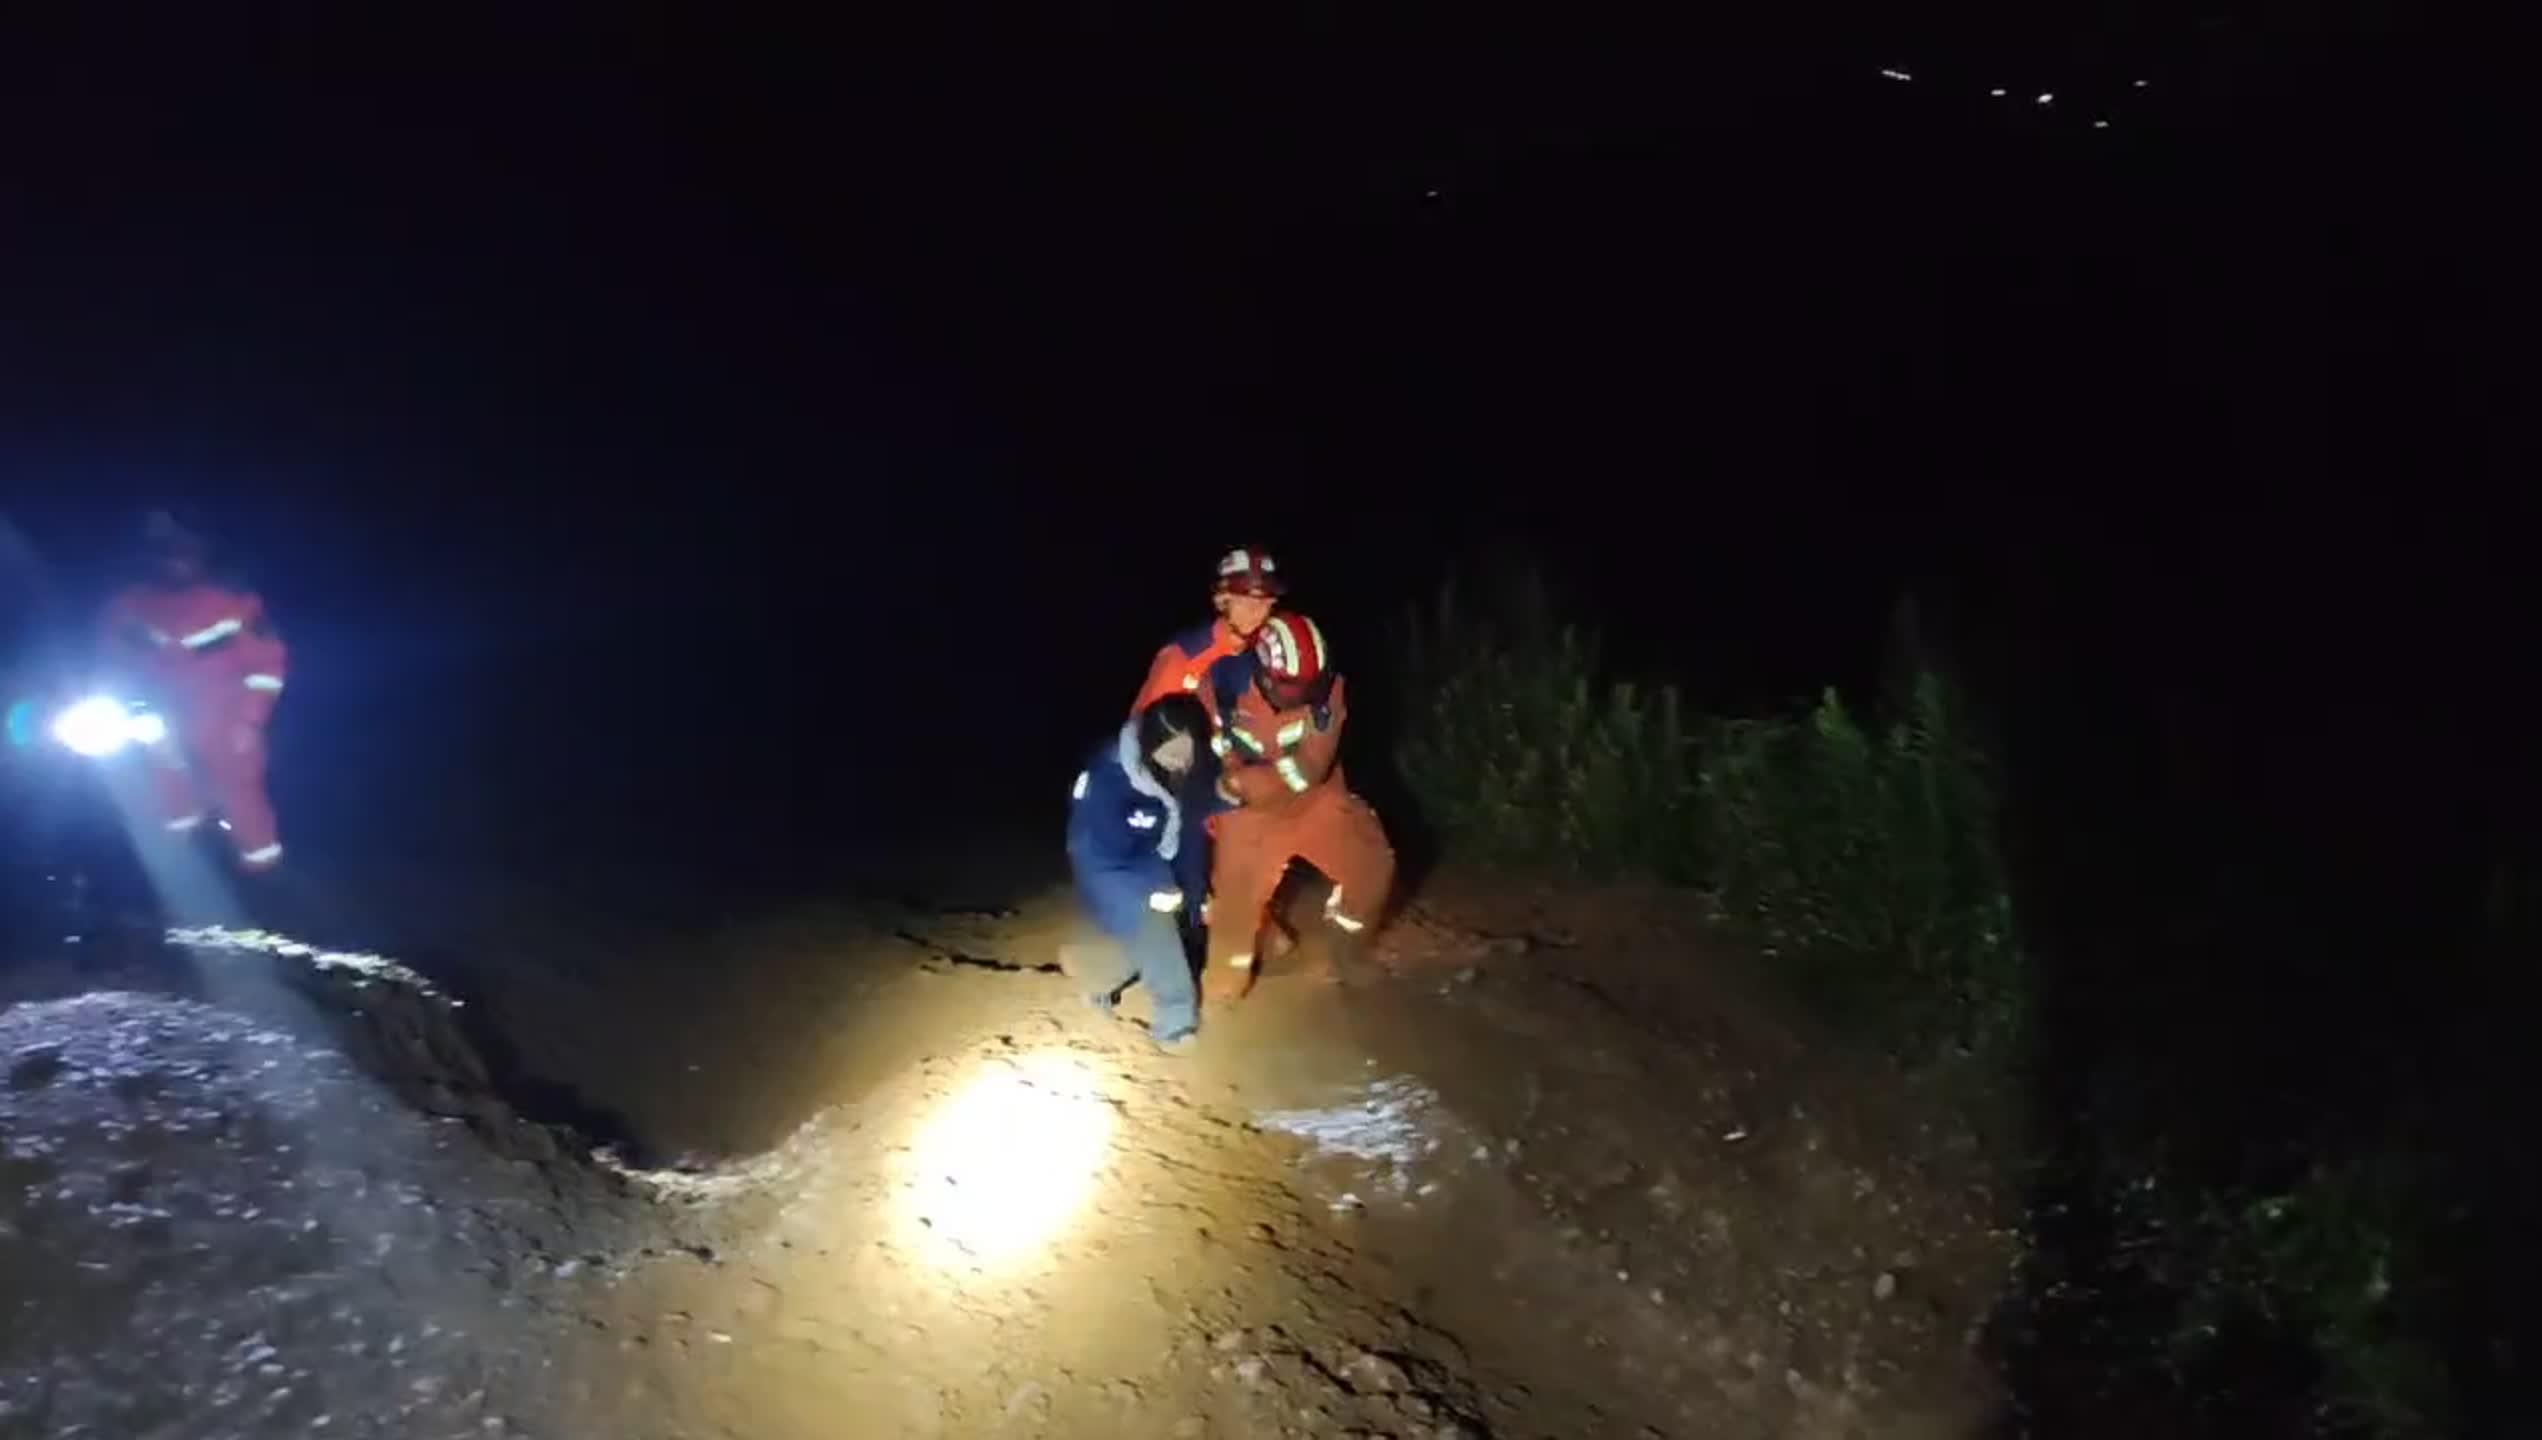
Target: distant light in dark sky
2140,84
2047,97
1998,92
2100,124
1897,74
1430,194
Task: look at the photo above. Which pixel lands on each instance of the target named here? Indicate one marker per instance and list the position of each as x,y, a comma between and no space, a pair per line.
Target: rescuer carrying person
1247,589
1141,863
209,656
1278,743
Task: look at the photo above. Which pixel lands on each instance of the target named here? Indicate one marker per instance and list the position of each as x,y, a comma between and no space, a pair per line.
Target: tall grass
1518,753
1863,856
1860,849
2336,1262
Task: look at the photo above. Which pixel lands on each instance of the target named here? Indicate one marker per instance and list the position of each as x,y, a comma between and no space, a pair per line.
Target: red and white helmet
1250,570
1296,667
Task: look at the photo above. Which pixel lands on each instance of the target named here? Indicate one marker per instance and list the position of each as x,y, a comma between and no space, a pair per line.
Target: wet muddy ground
1550,1167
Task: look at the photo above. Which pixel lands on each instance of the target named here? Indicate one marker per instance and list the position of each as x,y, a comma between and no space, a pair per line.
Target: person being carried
1247,590
1279,741
1136,848
209,654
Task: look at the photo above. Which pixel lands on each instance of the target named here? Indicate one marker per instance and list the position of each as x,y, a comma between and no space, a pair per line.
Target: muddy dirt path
1547,1173
1549,1168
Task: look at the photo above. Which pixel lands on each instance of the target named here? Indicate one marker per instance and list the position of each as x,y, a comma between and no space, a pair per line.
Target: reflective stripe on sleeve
263,854
1292,732
1078,790
1289,772
217,630
265,682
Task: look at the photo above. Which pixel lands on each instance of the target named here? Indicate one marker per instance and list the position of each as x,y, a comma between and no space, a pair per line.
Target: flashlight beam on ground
1006,1163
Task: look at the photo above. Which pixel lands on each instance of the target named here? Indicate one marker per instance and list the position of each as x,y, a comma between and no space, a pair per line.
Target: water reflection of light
1004,1164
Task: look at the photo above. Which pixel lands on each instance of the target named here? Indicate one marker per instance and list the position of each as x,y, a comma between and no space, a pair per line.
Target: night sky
665,428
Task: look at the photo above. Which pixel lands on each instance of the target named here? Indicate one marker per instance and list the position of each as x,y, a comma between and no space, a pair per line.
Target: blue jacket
1128,838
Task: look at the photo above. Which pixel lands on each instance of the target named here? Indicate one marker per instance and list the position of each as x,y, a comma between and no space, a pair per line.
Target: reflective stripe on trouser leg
1245,868
181,803
1334,912
234,775
1339,835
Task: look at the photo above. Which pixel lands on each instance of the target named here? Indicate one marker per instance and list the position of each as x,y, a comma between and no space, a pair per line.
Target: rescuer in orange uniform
214,663
1248,588
1279,746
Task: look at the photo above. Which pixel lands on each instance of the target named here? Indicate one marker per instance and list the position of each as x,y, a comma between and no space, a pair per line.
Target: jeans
1153,956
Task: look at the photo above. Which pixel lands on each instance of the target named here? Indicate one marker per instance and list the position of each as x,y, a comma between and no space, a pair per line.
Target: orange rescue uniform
215,664
1182,666
1283,767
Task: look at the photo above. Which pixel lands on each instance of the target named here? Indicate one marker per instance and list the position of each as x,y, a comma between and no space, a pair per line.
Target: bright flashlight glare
95,727
1008,1161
